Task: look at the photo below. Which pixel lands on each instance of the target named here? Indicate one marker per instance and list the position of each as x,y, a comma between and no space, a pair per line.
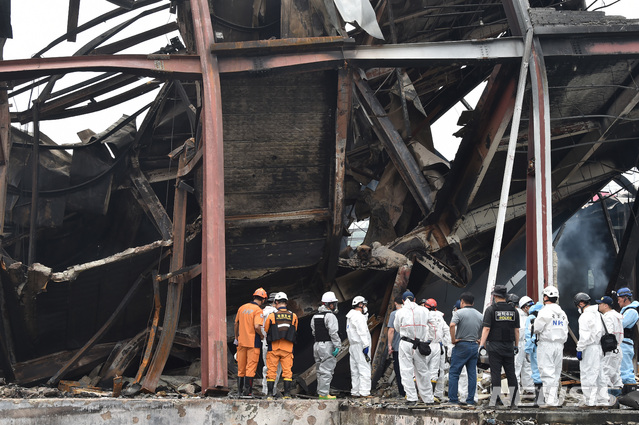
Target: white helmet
525,300
359,299
551,292
281,296
329,297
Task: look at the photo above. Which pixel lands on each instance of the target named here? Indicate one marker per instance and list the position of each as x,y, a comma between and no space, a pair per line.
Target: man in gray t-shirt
465,331
393,345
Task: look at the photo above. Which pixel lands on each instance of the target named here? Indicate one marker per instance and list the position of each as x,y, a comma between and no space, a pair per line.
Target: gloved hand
365,351
579,356
235,341
335,351
516,350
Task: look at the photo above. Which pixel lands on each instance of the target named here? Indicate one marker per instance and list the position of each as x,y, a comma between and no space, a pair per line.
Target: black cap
500,291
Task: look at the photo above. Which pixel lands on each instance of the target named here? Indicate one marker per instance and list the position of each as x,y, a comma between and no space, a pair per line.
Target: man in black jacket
501,330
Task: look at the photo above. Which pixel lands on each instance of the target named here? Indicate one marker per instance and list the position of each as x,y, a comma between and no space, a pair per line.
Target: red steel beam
213,319
164,66
167,66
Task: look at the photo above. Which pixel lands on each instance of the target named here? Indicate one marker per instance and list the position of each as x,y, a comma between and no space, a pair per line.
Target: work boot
269,392
628,388
248,386
287,389
539,395
240,386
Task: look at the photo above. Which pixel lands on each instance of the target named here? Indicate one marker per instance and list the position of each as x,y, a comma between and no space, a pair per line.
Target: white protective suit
522,366
265,313
443,364
611,360
551,328
325,362
436,345
412,321
590,332
359,338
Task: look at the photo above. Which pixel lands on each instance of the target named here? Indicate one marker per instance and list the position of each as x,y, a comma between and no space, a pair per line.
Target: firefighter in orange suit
248,339
281,333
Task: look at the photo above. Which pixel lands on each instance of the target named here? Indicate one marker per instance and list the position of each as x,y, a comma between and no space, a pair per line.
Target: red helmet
260,292
431,303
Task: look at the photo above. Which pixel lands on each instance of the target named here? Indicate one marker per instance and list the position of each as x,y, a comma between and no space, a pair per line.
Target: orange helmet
431,303
260,292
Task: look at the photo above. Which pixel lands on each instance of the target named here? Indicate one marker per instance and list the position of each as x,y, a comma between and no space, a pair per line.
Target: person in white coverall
589,352
266,311
327,344
436,344
551,328
444,345
523,370
412,323
359,338
612,359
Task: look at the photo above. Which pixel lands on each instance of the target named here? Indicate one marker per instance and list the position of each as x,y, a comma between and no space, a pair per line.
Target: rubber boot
269,392
240,386
248,387
287,388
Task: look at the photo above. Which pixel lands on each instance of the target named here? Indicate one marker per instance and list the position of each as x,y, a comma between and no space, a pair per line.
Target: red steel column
213,322
539,234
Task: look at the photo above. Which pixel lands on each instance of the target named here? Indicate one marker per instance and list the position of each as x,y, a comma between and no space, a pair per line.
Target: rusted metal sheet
396,148
35,166
495,111
149,201
342,126
152,332
611,230
120,308
624,272
174,293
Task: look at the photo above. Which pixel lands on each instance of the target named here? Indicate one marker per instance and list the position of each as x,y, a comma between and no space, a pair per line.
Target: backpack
608,340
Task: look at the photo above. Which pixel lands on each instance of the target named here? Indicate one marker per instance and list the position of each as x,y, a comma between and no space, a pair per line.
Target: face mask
365,310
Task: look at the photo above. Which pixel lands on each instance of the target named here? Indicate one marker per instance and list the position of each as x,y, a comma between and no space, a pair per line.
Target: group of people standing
524,338
535,359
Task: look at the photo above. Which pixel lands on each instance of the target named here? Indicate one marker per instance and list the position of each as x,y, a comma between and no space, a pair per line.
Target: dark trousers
398,375
497,360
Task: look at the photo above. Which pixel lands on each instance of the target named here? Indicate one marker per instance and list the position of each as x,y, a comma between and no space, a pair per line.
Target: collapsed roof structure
273,129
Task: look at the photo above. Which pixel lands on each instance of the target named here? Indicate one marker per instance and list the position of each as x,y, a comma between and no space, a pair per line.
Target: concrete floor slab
111,411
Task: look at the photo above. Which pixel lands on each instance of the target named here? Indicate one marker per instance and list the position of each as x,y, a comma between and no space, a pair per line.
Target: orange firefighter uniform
281,331
248,317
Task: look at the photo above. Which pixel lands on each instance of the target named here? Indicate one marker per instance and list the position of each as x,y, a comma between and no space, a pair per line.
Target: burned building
275,126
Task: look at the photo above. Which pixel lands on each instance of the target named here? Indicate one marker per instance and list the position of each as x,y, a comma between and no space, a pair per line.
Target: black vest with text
283,327
503,322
